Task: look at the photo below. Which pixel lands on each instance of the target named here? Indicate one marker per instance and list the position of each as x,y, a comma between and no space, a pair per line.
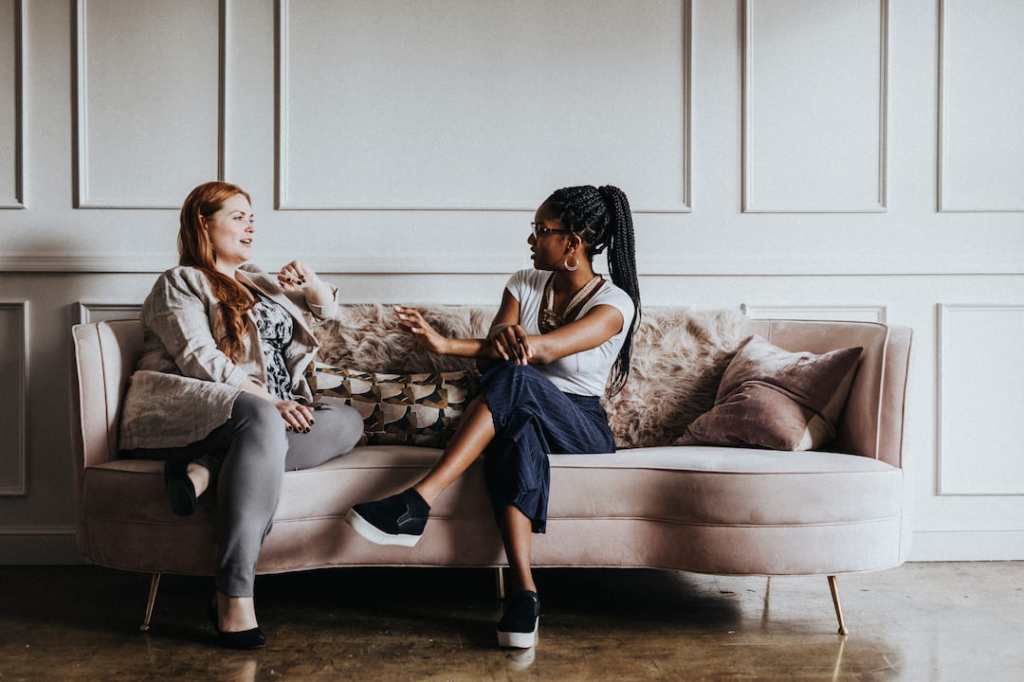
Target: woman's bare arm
511,343
601,323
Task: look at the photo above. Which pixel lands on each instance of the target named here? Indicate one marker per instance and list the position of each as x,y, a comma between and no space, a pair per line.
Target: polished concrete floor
952,621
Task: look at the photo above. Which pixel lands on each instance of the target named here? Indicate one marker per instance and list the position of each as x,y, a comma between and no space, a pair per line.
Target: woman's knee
260,417
345,426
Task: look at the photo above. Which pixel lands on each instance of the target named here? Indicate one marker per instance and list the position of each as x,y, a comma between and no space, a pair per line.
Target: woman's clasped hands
511,342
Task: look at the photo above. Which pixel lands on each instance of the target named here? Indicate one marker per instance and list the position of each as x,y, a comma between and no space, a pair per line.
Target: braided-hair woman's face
551,244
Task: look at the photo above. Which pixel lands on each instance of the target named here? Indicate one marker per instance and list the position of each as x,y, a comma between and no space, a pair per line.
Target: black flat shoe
243,639
180,491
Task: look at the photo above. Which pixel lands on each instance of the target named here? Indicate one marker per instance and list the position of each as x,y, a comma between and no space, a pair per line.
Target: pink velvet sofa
729,511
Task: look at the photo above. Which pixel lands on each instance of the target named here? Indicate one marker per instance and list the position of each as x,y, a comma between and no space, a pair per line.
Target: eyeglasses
539,230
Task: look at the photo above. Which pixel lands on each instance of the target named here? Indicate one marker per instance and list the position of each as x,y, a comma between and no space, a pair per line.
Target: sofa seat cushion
676,485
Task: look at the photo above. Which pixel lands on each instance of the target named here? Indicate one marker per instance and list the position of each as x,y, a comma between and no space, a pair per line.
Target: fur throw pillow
679,357
369,337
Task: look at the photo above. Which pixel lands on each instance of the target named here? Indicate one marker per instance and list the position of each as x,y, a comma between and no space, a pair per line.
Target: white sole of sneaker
518,640
375,535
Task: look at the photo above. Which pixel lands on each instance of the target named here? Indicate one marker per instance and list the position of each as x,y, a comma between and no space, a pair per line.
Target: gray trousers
248,456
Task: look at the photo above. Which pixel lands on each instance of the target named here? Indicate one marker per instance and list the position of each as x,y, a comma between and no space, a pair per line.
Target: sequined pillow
401,409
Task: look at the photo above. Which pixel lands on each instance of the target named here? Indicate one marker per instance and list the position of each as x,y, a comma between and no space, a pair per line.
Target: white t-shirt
586,372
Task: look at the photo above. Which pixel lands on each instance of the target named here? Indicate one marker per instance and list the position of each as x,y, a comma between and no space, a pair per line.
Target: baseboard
968,545
39,545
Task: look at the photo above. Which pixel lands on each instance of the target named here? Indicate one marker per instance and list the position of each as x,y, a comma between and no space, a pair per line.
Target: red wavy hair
196,250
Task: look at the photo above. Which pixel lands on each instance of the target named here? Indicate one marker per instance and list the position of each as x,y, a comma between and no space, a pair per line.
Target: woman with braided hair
561,338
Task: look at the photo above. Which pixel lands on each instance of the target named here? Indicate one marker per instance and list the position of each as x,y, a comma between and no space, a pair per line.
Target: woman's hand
297,416
296,276
511,343
413,322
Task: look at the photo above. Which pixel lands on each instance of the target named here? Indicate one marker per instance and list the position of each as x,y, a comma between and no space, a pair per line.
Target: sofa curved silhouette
704,509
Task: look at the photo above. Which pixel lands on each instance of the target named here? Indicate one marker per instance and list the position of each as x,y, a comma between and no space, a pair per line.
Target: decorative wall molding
80,116
839,311
20,389
83,311
38,545
942,138
281,127
885,75
942,353
18,200
684,265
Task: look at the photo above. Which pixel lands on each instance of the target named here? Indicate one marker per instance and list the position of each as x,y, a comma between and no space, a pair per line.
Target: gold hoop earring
574,267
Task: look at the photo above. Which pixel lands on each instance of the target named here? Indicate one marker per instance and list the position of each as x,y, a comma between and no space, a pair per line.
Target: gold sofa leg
154,585
833,586
500,578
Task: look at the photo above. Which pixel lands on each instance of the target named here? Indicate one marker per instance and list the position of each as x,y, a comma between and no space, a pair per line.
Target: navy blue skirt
533,419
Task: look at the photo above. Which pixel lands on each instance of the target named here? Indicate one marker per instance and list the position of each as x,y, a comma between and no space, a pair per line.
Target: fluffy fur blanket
679,357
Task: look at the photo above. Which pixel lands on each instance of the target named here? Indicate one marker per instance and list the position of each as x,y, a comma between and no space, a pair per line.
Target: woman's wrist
318,293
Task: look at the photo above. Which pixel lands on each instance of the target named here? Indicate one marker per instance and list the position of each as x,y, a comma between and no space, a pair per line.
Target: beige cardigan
184,386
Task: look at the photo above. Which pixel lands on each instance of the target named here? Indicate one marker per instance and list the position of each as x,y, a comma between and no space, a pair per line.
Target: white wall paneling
980,399
12,104
815,105
14,364
149,115
852,312
474,106
97,312
981,101
811,174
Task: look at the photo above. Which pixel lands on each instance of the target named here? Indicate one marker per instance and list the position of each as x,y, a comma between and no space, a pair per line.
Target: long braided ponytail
601,217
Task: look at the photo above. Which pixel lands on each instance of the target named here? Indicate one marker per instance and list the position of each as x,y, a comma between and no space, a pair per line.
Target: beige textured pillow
772,398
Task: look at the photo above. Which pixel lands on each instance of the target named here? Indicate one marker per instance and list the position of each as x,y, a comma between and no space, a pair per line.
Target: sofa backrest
871,424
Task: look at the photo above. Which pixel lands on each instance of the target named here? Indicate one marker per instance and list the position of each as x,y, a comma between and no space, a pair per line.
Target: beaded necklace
548,320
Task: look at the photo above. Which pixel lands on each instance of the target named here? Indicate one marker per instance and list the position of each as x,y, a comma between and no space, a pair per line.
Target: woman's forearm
540,347
471,348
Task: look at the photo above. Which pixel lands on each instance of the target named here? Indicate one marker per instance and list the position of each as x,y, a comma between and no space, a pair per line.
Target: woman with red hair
220,391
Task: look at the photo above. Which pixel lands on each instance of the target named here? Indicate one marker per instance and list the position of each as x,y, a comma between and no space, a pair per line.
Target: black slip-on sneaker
395,520
518,627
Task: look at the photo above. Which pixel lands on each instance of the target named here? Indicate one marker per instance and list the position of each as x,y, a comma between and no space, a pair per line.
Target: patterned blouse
275,327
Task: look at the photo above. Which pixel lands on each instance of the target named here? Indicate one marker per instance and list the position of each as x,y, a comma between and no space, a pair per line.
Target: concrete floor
951,621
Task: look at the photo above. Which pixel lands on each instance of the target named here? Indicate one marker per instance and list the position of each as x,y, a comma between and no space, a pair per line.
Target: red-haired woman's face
231,231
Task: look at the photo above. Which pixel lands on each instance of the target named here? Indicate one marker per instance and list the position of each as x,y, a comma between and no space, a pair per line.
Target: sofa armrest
873,419
894,396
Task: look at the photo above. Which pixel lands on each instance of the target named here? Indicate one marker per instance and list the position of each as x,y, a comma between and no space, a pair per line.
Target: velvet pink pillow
772,398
